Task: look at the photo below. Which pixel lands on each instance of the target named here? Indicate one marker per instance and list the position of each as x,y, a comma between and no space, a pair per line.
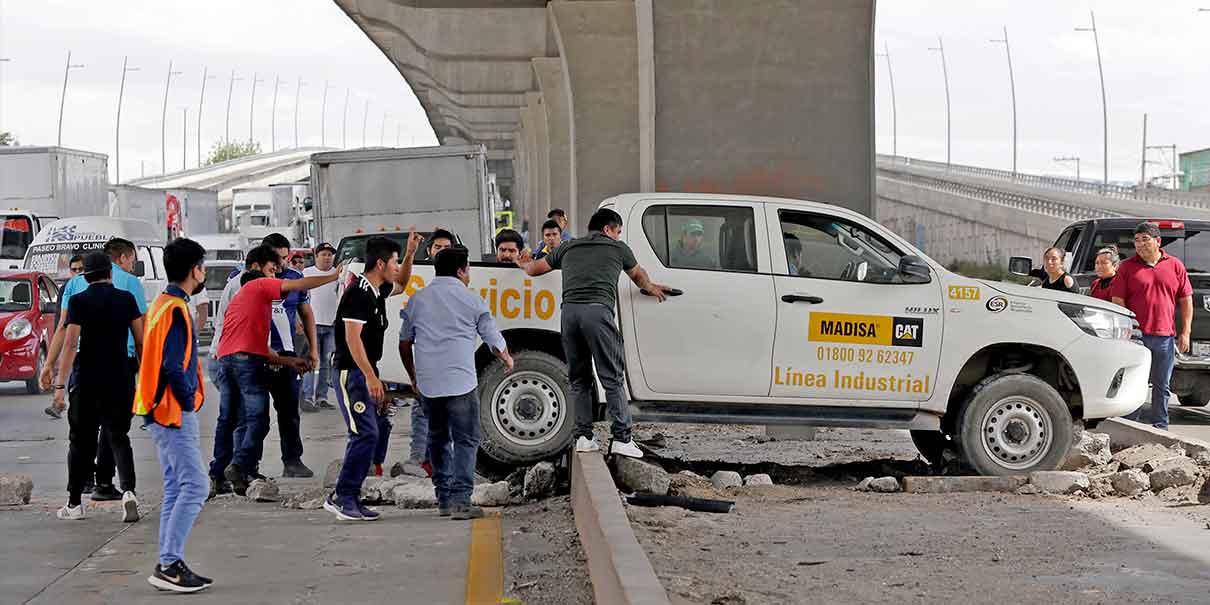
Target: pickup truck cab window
719,238
826,247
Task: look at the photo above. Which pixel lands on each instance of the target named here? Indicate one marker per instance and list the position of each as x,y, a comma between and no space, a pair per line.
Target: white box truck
178,211
38,185
369,190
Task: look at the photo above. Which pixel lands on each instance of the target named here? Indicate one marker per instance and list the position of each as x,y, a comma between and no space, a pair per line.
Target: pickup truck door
848,327
716,339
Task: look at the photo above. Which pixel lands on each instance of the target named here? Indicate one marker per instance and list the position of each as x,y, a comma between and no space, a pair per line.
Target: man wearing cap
688,253
99,319
323,304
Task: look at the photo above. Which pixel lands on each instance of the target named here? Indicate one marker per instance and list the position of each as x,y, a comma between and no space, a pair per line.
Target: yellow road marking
485,566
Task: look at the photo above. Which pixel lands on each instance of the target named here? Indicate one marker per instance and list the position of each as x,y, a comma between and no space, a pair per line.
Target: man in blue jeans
1152,283
441,327
323,305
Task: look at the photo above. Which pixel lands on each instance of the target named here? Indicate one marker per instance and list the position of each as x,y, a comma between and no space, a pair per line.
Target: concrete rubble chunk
1202,458
864,485
1130,482
308,499
1059,482
1173,473
408,469
414,495
945,485
15,489
885,485
379,490
641,477
1091,449
1028,489
332,473
724,479
758,479
539,481
261,490
491,494
691,485
1147,456
692,475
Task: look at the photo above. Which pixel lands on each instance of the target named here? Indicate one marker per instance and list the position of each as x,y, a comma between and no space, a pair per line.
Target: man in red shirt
243,358
1151,283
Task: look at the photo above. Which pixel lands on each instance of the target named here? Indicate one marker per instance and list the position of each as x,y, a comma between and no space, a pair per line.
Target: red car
29,307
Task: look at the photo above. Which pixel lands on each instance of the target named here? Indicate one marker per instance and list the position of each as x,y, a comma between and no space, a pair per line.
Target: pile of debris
643,477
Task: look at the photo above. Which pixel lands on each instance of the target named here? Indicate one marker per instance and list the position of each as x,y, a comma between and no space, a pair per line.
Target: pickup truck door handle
793,298
669,292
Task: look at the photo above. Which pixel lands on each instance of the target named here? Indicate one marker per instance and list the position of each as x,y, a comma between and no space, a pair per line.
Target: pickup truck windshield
16,237
1192,247
353,248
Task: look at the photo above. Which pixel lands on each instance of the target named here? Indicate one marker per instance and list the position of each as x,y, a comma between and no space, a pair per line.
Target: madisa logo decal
882,330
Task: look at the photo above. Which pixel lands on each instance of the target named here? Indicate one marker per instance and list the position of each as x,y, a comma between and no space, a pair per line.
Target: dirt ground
544,563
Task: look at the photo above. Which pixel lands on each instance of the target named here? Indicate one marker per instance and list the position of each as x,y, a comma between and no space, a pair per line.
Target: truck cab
19,229
797,312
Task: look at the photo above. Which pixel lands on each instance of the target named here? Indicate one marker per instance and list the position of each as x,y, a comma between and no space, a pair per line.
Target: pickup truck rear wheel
1014,424
525,415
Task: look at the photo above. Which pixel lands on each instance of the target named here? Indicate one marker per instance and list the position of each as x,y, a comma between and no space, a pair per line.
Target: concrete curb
1128,433
617,565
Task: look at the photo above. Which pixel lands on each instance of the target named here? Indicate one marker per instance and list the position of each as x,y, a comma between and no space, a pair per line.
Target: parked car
29,307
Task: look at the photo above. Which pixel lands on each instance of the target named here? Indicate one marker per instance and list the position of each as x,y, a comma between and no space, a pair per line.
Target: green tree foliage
222,152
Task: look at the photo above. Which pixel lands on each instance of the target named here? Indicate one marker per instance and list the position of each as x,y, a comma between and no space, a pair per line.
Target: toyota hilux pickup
801,313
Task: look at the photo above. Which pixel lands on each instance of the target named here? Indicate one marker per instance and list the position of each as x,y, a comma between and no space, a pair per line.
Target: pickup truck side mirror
1020,265
140,268
913,270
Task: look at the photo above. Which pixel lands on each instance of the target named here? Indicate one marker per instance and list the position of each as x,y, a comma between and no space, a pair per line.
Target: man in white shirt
323,304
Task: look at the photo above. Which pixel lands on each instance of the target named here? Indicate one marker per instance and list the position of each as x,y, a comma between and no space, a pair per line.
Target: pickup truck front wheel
525,415
1014,424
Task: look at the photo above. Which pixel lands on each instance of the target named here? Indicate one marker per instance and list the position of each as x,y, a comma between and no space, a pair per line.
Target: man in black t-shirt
99,319
361,322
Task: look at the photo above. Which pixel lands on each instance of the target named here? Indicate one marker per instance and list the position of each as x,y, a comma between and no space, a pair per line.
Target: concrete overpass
582,99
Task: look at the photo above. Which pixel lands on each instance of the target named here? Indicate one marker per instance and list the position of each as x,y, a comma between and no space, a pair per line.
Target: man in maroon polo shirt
1151,283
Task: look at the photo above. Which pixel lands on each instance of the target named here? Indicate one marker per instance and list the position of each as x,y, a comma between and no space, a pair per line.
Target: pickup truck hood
1037,293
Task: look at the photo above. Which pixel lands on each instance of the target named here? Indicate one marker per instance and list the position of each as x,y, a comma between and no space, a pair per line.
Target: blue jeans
243,416
1163,355
315,384
453,420
420,433
284,388
185,486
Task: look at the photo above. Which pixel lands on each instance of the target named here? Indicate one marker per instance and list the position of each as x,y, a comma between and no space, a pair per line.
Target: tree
8,139
222,152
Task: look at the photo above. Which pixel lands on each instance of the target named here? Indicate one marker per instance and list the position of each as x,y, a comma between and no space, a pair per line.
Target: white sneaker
72,513
584,444
625,448
130,508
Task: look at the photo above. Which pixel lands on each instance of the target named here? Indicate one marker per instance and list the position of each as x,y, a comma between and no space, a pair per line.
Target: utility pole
297,102
164,120
398,129
365,118
117,128
252,106
945,74
1074,158
323,115
273,115
202,97
1172,150
1104,108
383,133
344,124
894,118
227,128
1012,87
63,97
1143,162
2,60
184,137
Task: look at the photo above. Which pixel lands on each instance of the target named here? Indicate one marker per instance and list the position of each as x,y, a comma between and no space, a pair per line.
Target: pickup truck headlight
1098,322
18,328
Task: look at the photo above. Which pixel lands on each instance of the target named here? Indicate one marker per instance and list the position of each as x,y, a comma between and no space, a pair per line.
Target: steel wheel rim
1016,432
527,408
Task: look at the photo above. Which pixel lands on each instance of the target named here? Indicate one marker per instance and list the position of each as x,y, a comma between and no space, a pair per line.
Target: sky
309,39
1150,52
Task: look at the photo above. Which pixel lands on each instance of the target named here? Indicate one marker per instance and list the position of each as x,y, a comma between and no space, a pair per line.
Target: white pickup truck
805,313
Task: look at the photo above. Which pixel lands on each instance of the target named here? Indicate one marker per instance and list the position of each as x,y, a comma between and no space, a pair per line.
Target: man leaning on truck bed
590,268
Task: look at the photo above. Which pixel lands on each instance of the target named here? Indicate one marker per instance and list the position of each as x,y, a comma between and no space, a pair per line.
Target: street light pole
1074,158
1143,161
365,118
2,60
398,129
184,137
227,128
252,106
323,115
1012,87
344,123
1104,107
164,120
201,97
117,128
297,102
63,97
383,133
894,117
945,74
273,115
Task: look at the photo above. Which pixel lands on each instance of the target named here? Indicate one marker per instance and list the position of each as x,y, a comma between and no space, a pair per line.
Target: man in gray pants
590,268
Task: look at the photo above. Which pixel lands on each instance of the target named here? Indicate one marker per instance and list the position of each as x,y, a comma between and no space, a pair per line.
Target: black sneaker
239,482
105,493
88,487
324,405
204,579
463,512
219,487
296,469
177,578
308,407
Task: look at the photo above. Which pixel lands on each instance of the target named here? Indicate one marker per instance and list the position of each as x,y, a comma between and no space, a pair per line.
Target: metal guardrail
1052,183
1016,201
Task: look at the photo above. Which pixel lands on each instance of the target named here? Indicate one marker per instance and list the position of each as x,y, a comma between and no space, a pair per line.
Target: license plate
1201,349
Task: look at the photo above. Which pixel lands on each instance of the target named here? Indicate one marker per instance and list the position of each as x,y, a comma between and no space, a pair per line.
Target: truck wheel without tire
1014,424
932,446
31,386
525,415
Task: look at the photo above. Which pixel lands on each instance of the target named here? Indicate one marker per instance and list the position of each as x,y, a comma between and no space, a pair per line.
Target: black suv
1188,240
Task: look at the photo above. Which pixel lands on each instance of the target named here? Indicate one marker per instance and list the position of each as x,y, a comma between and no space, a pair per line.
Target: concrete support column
597,43
538,200
557,110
